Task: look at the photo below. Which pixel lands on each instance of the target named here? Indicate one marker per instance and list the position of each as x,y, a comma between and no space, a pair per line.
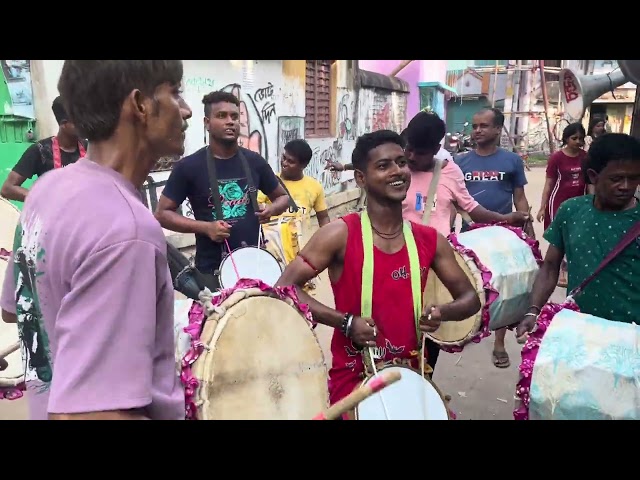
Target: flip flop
501,359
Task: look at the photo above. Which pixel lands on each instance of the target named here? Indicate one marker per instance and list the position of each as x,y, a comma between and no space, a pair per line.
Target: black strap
624,242
292,203
253,191
213,183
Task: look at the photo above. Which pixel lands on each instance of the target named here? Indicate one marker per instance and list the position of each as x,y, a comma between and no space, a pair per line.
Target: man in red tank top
381,169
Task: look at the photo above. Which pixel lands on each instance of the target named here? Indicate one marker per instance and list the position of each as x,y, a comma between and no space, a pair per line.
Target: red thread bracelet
309,263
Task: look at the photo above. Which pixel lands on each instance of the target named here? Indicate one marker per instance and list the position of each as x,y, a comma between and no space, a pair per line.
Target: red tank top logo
392,304
402,273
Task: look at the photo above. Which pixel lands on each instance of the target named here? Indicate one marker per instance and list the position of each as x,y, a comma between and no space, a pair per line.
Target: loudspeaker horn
578,91
631,70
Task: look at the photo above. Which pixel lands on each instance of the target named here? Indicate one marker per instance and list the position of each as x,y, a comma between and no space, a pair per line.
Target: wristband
345,326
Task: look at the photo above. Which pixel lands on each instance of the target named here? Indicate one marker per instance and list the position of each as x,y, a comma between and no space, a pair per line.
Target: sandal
501,359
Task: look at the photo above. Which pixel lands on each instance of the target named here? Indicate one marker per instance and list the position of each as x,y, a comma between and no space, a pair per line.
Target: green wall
460,112
13,137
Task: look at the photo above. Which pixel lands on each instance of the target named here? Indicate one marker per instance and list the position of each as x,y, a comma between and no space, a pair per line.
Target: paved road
480,391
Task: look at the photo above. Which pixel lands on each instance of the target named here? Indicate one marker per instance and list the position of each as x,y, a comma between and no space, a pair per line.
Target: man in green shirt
588,227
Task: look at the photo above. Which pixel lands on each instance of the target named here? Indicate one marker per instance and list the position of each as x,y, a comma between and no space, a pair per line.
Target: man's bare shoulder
337,229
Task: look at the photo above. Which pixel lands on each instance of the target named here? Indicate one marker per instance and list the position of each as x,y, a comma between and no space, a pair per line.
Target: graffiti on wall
252,135
381,110
17,77
316,168
346,131
289,128
199,84
265,97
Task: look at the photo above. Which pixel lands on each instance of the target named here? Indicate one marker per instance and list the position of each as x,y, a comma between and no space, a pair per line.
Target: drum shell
501,262
581,367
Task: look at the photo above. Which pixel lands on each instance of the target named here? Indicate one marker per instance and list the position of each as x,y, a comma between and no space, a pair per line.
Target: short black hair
59,111
425,130
93,90
369,141
571,130
300,150
218,97
498,116
611,147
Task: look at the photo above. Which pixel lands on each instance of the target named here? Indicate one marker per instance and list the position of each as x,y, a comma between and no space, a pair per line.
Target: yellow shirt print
307,193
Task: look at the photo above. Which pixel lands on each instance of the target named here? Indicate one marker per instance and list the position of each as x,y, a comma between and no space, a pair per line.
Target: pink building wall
417,71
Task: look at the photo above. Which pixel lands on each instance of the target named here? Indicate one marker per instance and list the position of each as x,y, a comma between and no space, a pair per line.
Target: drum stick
8,351
526,223
354,398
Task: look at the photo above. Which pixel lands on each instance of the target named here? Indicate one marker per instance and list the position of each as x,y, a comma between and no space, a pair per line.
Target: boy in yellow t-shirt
305,191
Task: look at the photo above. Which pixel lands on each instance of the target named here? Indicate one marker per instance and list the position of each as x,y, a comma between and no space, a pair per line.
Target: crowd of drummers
87,275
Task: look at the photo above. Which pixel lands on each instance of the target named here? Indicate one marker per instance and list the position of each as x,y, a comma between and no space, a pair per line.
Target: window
317,120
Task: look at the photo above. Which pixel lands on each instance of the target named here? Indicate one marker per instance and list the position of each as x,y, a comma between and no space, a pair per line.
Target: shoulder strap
626,240
433,187
253,191
292,203
213,183
366,301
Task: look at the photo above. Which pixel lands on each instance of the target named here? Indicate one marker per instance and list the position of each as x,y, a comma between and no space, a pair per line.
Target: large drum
577,366
255,357
502,263
12,378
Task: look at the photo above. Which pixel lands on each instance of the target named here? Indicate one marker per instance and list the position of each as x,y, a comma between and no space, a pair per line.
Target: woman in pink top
565,180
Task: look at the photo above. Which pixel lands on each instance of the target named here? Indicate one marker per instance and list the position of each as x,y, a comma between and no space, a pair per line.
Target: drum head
251,262
411,398
455,333
263,362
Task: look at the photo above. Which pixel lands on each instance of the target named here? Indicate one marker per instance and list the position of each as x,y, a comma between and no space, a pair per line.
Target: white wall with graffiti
272,113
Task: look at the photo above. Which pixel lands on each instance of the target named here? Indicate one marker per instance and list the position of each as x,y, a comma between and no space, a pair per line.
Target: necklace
388,236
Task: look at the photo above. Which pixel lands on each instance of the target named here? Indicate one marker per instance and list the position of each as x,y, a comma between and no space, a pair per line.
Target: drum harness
367,292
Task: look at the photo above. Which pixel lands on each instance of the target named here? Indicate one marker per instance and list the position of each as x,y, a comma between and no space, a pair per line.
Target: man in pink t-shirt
422,137
88,281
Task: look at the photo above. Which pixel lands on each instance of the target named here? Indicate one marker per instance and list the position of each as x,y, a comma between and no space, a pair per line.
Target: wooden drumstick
8,351
354,398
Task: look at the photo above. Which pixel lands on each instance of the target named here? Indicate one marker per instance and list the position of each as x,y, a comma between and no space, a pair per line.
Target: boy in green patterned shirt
587,228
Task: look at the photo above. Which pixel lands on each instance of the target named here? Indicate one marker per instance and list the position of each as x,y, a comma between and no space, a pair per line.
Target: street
479,390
